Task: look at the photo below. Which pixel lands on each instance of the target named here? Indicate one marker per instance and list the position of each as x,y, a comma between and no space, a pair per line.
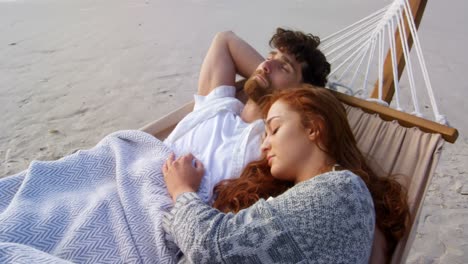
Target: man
295,60
221,132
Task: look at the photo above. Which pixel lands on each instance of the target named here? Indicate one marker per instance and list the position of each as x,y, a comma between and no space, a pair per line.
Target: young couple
305,193
311,196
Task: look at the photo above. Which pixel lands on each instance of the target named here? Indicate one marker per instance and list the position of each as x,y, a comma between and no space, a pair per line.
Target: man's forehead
282,52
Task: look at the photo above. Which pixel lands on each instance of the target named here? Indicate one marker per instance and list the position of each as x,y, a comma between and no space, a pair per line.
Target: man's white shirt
217,136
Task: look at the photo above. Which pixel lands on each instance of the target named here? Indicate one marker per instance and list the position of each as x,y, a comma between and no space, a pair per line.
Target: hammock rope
370,37
390,31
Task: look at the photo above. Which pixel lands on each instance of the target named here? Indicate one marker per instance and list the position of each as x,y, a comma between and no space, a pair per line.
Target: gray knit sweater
327,219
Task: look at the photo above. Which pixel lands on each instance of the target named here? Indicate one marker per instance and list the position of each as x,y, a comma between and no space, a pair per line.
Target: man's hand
228,55
182,175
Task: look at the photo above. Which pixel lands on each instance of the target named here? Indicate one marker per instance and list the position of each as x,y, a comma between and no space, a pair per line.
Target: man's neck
251,112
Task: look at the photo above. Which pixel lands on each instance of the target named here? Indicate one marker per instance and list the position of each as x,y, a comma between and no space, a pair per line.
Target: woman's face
287,144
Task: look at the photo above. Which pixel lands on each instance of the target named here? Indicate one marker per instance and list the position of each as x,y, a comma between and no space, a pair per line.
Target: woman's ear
314,133
313,130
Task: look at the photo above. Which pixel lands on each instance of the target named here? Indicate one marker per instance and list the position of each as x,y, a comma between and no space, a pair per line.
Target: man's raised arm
227,55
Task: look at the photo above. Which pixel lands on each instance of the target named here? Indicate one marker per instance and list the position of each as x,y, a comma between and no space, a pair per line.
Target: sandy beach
74,71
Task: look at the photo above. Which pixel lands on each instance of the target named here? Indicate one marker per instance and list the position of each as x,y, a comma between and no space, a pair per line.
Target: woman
328,214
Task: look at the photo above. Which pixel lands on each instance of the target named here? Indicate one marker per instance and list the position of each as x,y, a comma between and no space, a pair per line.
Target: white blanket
102,205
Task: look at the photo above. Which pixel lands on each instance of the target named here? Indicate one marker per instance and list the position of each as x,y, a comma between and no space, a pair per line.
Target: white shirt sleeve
218,92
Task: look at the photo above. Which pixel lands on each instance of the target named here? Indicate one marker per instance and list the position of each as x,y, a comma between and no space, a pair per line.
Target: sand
72,72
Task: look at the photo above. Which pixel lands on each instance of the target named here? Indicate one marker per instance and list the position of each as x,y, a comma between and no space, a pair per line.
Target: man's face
279,71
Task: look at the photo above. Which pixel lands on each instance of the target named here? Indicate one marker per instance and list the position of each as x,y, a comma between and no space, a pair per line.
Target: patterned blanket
102,205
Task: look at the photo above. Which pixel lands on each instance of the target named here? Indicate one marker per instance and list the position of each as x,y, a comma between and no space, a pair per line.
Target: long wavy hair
337,140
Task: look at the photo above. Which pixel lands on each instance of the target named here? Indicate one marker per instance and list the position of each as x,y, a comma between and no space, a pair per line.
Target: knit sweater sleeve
205,235
327,219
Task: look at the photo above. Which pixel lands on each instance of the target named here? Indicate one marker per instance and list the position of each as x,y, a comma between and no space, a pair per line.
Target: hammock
388,146
357,57
396,141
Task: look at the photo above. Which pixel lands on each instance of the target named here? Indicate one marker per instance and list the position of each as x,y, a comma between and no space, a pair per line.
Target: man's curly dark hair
315,67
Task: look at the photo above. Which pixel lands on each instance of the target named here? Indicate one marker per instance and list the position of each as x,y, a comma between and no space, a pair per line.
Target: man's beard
255,91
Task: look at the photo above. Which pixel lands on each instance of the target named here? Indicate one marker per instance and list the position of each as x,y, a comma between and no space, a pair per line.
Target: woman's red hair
337,140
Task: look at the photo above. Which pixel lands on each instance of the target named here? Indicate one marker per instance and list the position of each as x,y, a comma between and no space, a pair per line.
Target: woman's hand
182,175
